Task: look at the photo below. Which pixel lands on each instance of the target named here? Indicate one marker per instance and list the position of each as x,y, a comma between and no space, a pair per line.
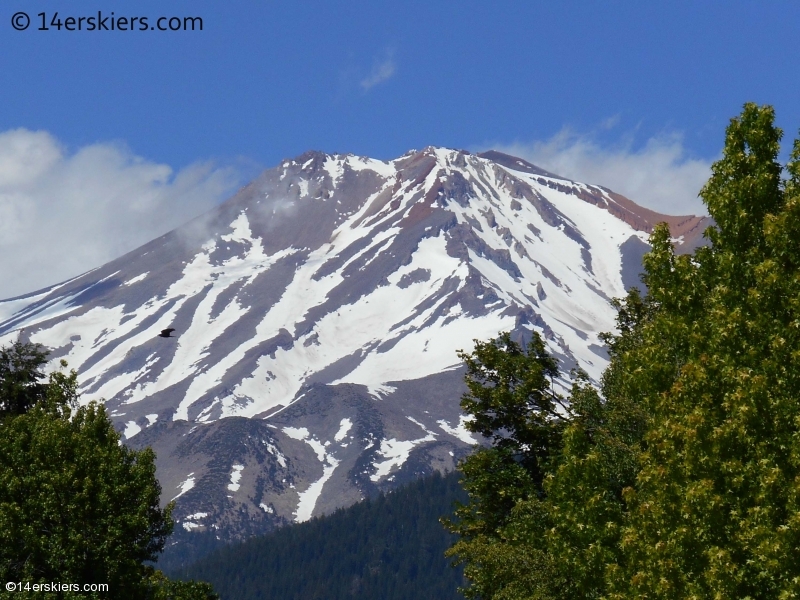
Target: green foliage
511,397
512,402
161,588
546,529
682,480
714,512
20,378
390,547
76,506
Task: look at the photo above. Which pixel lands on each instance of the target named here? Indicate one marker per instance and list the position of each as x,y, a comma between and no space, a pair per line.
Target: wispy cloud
659,175
382,70
62,213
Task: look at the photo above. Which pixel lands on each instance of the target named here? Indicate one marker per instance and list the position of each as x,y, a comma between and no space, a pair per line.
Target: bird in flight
167,332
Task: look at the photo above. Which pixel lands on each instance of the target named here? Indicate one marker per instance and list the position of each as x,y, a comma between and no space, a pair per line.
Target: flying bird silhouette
167,332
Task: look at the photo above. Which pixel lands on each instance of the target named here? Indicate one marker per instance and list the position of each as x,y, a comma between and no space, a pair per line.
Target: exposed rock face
317,316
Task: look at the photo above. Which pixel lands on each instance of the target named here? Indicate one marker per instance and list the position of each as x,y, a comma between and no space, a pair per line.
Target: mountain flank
315,321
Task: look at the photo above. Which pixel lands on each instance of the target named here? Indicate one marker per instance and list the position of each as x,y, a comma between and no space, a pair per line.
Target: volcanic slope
317,315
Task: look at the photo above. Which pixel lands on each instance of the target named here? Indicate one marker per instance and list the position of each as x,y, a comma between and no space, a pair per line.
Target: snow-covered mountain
317,316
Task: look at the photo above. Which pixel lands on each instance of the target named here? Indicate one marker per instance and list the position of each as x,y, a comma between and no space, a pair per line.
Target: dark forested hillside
390,547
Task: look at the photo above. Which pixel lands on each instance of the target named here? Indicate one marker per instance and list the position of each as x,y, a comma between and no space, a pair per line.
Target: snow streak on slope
395,452
308,498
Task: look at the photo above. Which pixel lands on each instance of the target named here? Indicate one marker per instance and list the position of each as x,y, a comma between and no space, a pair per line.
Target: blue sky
634,95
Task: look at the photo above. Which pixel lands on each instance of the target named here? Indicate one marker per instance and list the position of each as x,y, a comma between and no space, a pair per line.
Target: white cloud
63,213
659,175
381,71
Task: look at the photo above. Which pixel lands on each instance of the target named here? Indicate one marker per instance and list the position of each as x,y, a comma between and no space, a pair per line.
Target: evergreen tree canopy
21,377
389,547
512,402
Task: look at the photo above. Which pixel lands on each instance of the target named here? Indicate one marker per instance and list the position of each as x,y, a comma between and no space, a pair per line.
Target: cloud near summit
64,212
658,175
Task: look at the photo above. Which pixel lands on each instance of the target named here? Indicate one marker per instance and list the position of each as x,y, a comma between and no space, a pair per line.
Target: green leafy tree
681,479
76,506
714,511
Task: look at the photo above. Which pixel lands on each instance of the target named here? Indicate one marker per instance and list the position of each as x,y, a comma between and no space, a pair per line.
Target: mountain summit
316,316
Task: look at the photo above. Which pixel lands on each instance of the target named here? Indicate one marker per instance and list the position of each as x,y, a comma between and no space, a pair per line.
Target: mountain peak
317,316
